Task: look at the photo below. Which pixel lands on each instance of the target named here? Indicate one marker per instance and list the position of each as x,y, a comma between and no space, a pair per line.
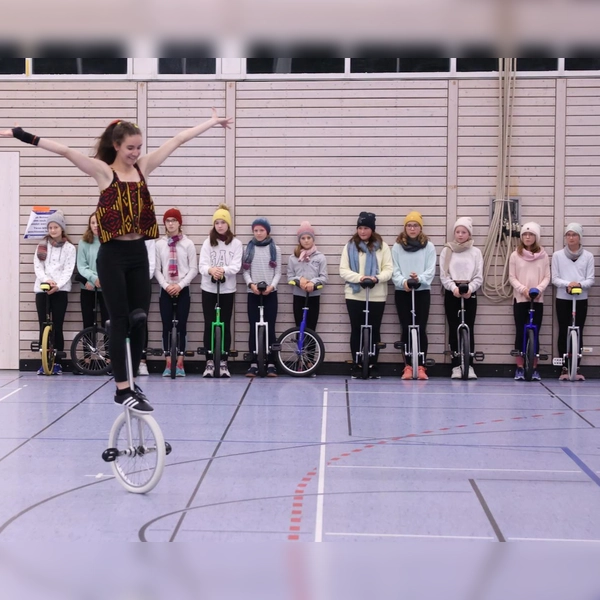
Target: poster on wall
37,226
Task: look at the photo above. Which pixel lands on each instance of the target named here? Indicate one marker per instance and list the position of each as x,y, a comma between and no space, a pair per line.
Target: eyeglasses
171,221
412,225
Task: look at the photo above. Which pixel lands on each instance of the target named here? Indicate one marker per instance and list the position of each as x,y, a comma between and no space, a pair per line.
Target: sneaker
252,371
422,373
224,369
564,374
456,373
471,373
271,371
41,371
136,401
374,372
167,372
143,369
179,372
519,374
57,370
579,376
209,370
535,376
407,373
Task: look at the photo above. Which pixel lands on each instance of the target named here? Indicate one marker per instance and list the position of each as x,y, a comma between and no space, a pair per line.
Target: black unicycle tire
302,362
173,352
464,349
89,351
529,358
261,351
366,347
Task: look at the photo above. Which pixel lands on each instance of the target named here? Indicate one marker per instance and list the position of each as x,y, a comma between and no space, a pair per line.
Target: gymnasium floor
322,459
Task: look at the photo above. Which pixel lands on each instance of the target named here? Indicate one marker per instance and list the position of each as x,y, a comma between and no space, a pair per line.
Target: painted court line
517,539
13,392
411,535
321,479
460,469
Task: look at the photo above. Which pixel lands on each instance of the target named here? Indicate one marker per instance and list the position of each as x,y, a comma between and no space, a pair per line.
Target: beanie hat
465,222
306,229
58,218
532,227
415,217
575,228
222,213
263,223
173,213
366,219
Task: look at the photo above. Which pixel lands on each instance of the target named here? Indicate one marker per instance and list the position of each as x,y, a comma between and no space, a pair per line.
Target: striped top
260,269
126,207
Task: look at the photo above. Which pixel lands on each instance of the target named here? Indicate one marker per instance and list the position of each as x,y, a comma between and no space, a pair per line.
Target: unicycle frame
261,325
367,349
463,288
572,360
47,337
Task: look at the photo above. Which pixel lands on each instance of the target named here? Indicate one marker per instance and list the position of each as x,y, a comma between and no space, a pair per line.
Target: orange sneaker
407,373
422,374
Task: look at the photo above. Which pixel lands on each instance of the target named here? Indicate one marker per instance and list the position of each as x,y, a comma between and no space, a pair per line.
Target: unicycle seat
367,284
575,291
413,284
463,288
534,293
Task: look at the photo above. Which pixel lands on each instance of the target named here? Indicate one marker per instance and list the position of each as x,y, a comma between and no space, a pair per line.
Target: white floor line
449,469
517,539
322,465
409,535
13,392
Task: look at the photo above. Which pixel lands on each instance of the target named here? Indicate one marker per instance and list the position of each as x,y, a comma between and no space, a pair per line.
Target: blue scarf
249,254
371,266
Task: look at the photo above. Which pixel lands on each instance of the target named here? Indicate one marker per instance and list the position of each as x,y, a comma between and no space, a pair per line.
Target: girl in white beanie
528,267
571,267
461,262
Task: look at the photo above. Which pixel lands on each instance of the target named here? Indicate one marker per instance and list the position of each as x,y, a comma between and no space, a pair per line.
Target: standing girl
126,217
175,269
54,263
87,252
309,267
365,256
261,262
571,267
528,267
220,260
414,258
461,262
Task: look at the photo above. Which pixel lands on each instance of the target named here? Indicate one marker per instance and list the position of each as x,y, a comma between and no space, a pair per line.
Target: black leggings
165,304
563,316
314,302
521,315
404,307
88,308
209,301
452,308
58,309
123,270
269,314
356,313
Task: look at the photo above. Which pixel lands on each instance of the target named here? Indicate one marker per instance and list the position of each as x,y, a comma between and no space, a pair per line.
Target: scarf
413,245
42,249
573,255
172,243
371,266
455,247
249,254
530,256
306,254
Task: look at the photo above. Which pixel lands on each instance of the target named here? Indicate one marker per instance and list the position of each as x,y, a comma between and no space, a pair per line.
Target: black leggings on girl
209,301
356,312
123,270
165,303
404,307
58,308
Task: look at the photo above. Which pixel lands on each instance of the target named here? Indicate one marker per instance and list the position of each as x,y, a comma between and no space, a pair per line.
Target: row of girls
413,256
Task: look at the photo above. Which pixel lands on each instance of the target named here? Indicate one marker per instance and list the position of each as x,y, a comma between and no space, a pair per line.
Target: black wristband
26,137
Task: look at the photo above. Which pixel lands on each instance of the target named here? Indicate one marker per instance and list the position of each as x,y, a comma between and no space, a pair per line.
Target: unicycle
463,335
412,346
367,350
530,345
301,350
89,349
46,345
217,335
137,448
572,358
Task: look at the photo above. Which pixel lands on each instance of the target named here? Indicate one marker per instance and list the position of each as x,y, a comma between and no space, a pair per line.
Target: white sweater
58,266
186,262
463,266
228,256
564,270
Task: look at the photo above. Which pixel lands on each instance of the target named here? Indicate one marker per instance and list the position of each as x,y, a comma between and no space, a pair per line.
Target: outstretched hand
7,133
224,122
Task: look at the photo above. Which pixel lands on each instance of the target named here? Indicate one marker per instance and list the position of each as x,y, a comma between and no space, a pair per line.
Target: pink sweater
526,274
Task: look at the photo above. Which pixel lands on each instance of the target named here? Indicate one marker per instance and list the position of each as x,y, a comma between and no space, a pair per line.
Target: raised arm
93,167
154,159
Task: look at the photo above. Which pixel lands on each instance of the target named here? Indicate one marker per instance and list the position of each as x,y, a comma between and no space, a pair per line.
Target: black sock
127,390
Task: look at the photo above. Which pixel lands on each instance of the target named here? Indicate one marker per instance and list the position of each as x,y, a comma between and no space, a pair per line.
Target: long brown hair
213,236
115,133
402,238
88,236
535,247
375,237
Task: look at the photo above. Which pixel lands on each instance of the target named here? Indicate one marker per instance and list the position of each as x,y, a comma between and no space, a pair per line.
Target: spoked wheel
366,346
89,351
414,353
48,352
261,354
464,349
217,350
173,352
138,466
529,358
573,355
300,362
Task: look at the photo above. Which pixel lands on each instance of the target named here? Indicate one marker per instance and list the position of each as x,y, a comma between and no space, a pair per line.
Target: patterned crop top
126,207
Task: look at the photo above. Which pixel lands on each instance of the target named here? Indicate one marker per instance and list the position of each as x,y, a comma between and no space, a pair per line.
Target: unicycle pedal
35,346
557,362
110,455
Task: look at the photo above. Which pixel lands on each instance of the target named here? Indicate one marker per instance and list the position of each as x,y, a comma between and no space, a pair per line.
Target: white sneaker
143,369
224,370
456,373
471,373
209,371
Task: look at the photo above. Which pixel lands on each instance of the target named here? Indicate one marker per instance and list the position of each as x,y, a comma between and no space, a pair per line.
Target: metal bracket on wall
511,215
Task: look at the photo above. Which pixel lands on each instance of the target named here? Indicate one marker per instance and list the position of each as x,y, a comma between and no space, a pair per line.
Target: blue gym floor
324,459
